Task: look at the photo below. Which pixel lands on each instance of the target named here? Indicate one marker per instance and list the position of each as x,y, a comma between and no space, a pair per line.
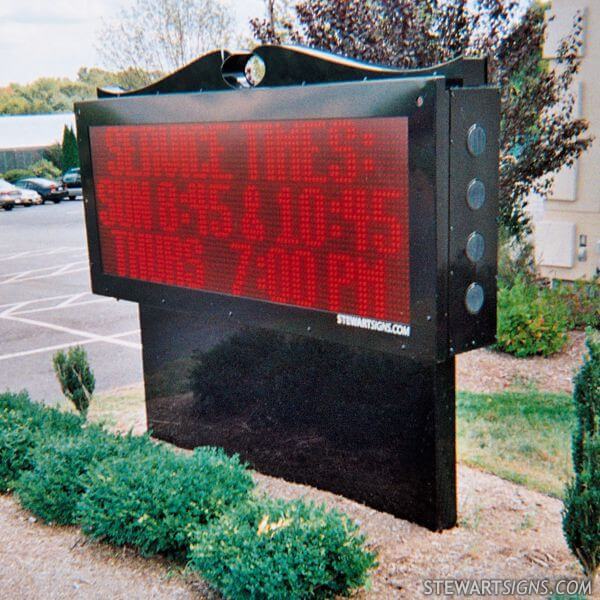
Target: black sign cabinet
309,254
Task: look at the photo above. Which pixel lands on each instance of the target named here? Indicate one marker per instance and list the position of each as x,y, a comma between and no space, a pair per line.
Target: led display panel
311,213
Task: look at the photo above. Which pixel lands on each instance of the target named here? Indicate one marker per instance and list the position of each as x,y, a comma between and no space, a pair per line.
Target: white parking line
35,300
78,332
55,271
58,306
67,345
67,301
44,252
70,300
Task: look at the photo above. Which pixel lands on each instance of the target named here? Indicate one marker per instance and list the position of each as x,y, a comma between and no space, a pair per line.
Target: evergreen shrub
155,498
276,549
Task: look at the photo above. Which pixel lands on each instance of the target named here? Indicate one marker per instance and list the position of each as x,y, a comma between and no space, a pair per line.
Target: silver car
9,195
28,197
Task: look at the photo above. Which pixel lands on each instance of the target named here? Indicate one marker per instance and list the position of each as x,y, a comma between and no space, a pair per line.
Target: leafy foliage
44,168
128,78
581,514
53,154
277,549
128,490
530,320
13,175
52,95
41,168
75,377
539,130
582,301
23,426
69,150
51,489
45,95
154,499
54,486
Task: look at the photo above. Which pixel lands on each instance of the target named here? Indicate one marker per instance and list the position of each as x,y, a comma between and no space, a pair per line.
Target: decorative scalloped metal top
293,65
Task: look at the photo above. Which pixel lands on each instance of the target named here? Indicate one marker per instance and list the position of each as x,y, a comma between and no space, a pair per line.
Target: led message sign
275,237
311,213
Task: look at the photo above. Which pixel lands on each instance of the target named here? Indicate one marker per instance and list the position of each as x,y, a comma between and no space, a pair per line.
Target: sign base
372,426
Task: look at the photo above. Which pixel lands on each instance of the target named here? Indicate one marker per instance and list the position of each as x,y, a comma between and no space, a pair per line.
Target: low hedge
276,549
531,320
153,500
23,426
199,507
59,475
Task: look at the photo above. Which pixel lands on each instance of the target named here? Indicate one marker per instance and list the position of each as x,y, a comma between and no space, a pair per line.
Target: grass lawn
121,409
522,436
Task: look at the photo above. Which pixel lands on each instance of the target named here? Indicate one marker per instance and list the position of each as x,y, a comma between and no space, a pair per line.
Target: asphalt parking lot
46,304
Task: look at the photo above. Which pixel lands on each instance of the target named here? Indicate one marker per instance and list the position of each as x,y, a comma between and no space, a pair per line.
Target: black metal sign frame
424,101
384,436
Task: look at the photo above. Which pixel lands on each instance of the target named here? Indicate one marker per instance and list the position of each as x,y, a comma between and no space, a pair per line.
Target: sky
54,38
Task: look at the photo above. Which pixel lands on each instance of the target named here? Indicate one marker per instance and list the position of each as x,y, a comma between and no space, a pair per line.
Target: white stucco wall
571,215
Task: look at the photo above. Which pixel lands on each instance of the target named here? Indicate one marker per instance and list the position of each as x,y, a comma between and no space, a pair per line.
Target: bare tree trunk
271,13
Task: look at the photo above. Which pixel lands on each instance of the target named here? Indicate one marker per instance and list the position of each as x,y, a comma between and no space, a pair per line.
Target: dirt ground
485,370
505,530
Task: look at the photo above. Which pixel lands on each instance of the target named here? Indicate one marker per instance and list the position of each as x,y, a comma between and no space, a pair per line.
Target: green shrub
516,259
530,320
54,486
581,299
154,499
38,416
53,154
42,168
276,549
13,175
581,514
45,168
128,490
75,377
20,402
24,425
16,441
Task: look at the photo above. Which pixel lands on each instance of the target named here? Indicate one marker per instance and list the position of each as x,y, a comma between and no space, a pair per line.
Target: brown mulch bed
505,530
38,561
486,370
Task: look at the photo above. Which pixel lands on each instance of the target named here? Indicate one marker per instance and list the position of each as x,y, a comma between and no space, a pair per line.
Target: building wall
571,215
19,158
24,137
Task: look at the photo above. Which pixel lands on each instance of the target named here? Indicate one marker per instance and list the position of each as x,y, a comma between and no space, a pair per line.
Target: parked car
46,188
8,195
28,197
71,180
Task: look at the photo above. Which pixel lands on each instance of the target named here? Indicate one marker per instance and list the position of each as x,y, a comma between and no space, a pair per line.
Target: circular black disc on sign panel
474,298
475,247
476,140
476,194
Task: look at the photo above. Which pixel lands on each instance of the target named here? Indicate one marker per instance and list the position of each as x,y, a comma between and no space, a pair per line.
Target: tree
53,154
75,376
279,14
539,130
159,36
70,152
127,79
581,514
